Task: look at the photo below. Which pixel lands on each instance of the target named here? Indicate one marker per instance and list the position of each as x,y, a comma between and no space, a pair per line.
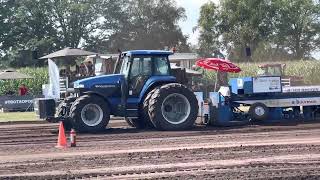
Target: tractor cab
279,70
271,70
139,66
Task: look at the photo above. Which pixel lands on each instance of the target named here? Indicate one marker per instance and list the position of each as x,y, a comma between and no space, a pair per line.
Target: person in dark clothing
83,70
90,69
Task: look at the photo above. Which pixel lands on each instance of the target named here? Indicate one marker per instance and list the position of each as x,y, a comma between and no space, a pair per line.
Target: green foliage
29,27
284,29
297,25
141,24
208,24
75,20
100,26
245,23
40,77
309,70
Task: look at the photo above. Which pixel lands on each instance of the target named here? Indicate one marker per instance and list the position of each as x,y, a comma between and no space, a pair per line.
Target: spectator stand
69,70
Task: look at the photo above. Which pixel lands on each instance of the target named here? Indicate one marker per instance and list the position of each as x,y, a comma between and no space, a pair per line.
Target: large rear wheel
143,122
90,113
173,107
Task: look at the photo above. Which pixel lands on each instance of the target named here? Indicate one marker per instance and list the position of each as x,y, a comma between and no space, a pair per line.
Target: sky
192,8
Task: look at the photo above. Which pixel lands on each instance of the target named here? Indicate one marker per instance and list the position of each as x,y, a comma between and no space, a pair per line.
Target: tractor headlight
76,85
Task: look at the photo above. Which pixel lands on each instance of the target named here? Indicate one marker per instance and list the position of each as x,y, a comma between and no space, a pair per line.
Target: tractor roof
148,52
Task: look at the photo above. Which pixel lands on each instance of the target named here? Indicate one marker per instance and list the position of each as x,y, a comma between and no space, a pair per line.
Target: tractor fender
99,95
155,82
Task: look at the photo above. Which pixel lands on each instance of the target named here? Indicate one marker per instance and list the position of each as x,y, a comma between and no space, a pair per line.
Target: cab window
141,66
125,66
161,66
141,70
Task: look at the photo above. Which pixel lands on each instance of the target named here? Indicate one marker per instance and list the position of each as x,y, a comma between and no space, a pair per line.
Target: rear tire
90,113
143,122
145,109
173,107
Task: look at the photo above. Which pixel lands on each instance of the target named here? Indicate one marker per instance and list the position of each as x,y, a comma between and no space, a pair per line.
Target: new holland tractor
143,90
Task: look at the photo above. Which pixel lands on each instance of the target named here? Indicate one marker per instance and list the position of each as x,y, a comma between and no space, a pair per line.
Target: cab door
140,72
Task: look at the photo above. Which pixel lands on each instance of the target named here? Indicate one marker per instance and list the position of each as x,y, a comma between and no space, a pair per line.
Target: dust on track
250,152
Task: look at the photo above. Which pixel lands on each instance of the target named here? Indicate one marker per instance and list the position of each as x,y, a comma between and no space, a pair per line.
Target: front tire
173,107
62,112
259,112
90,113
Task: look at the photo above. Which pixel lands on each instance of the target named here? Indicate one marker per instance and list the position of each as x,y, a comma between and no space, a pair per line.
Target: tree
208,24
7,24
6,12
101,26
278,25
144,24
45,26
28,28
75,20
297,26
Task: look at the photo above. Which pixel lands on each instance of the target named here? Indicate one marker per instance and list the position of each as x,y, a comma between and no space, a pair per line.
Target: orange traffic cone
62,141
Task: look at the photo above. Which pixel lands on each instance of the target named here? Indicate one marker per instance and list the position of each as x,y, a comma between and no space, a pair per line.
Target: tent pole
215,83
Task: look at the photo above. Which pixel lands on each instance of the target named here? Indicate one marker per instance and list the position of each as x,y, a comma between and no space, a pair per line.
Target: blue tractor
143,90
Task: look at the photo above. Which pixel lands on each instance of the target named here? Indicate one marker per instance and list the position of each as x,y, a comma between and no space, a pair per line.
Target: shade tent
12,74
218,64
60,82
68,52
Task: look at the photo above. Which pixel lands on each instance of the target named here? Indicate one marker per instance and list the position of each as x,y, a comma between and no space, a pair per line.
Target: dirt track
252,152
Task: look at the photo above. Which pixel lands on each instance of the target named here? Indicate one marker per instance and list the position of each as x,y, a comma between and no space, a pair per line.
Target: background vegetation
273,30
309,70
40,77
33,28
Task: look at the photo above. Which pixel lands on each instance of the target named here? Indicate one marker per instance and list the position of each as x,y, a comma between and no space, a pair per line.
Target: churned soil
27,151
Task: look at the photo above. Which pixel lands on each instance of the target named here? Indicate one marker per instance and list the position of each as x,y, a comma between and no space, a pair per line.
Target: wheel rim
175,108
259,111
91,114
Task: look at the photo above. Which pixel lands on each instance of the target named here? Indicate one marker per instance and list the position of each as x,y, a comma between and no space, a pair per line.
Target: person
195,87
222,77
23,90
83,70
90,69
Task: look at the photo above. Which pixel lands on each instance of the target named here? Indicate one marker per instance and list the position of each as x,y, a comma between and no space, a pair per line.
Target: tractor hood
94,82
